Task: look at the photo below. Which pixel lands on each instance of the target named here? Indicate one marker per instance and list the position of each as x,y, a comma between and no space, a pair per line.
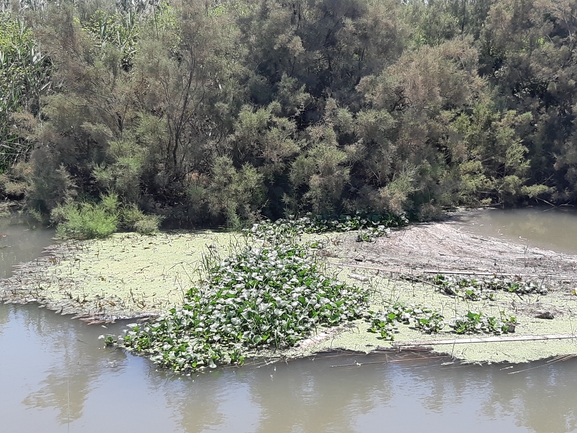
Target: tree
24,77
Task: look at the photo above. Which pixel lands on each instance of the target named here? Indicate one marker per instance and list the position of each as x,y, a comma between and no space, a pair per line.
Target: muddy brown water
548,228
55,376
20,243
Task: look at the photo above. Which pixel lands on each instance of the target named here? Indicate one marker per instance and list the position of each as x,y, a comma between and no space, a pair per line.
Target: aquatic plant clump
422,318
429,321
484,288
370,226
260,298
477,322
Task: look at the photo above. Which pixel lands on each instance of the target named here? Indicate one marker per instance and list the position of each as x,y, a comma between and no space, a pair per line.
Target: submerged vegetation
223,112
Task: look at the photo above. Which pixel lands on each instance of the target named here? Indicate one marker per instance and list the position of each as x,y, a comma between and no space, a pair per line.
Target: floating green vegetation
429,321
271,294
268,297
370,226
479,323
484,288
384,322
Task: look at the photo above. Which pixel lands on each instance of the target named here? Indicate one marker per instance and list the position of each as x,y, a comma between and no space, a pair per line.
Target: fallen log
495,339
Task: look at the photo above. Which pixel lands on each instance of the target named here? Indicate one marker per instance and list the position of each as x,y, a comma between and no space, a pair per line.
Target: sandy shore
131,276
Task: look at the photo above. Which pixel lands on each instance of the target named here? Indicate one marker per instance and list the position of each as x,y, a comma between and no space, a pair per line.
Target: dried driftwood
448,272
495,339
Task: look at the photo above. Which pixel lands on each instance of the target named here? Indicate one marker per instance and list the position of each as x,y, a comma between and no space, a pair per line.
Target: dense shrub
85,220
221,113
132,218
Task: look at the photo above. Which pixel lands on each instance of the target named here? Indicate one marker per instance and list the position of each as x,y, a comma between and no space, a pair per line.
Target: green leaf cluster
267,297
88,220
479,323
475,289
283,230
24,77
385,321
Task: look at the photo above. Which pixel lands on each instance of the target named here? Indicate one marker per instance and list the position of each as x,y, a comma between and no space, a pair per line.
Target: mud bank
445,248
133,276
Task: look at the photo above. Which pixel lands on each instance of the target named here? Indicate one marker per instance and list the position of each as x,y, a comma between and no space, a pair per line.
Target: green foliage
269,297
321,171
148,224
115,35
86,220
24,77
14,184
50,185
368,226
132,218
123,170
429,321
484,288
479,323
384,322
223,113
234,194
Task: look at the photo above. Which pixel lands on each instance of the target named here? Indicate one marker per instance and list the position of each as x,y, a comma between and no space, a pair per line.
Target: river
56,376
549,228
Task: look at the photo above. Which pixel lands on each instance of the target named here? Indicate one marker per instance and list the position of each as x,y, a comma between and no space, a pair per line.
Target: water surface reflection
549,228
19,243
56,377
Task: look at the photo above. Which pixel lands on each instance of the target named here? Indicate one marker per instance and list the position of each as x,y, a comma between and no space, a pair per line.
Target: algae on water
130,275
125,275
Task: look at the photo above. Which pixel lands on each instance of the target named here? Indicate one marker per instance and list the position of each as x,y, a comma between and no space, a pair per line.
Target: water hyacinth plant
475,289
477,322
385,321
369,226
429,321
263,297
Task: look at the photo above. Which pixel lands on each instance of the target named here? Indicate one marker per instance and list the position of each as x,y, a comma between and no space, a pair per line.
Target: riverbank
134,276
